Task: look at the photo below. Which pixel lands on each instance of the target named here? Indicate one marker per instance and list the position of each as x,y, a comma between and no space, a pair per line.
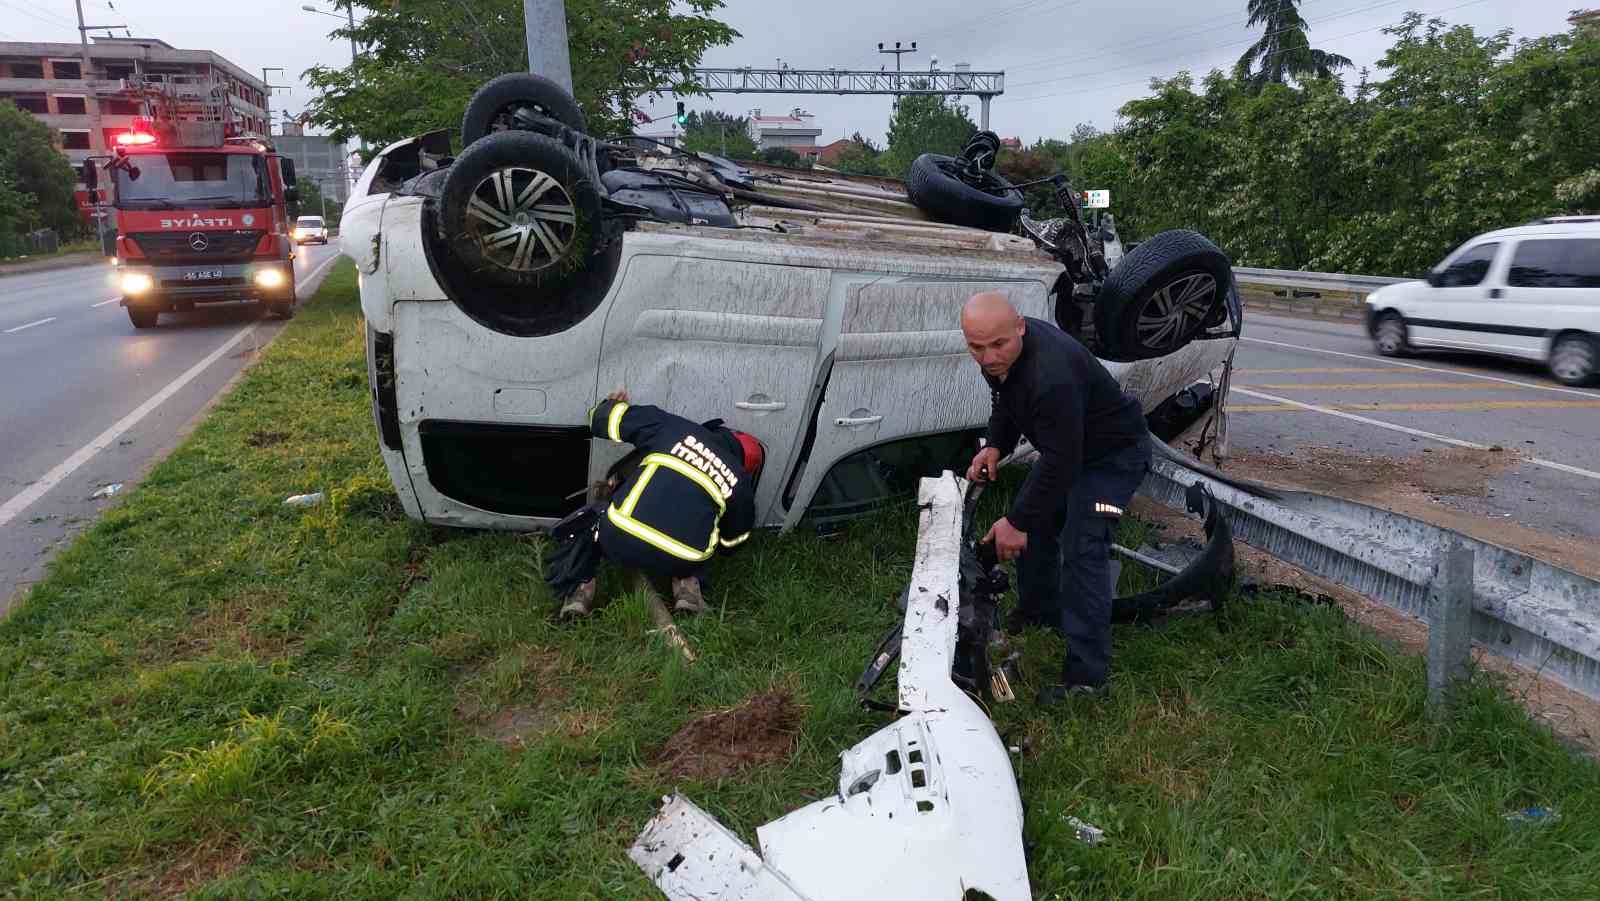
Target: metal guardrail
1326,281
1532,613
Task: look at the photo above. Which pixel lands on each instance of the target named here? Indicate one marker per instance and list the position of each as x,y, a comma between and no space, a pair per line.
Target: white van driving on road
1531,292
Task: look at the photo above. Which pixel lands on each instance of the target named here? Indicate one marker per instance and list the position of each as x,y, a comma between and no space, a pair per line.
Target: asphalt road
1295,377
87,401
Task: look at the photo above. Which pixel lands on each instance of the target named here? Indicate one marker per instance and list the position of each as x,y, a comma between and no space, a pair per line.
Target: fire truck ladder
187,110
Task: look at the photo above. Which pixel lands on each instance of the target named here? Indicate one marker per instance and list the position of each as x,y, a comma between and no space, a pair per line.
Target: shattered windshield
190,180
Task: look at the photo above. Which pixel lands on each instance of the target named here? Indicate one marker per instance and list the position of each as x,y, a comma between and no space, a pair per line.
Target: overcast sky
1066,61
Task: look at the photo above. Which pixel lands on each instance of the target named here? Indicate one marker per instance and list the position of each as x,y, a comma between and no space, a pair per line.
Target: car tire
1161,295
538,281
934,186
1575,360
496,105
1390,336
143,317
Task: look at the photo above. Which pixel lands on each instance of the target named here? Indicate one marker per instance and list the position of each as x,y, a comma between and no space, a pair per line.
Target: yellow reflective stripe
688,472
614,422
655,539
735,542
632,500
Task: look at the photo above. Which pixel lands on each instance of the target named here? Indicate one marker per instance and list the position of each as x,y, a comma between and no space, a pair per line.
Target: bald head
994,331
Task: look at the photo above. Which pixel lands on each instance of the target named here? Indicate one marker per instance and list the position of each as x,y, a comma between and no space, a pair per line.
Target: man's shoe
1051,695
581,603
686,596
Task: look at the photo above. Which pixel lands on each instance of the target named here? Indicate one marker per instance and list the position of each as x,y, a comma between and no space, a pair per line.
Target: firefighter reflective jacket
689,495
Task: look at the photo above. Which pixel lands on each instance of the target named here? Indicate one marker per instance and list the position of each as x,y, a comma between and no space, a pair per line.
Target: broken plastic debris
304,500
106,491
1091,835
1532,815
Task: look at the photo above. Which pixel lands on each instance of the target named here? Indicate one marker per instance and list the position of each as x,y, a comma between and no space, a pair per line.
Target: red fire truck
201,207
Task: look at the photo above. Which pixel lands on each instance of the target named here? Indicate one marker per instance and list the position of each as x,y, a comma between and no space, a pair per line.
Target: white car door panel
901,370
716,339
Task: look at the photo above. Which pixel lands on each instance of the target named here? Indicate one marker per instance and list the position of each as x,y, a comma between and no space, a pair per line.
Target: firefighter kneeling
685,493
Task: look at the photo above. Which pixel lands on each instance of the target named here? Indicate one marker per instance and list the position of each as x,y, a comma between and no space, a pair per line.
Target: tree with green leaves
925,123
36,181
860,157
720,133
424,58
1284,51
783,156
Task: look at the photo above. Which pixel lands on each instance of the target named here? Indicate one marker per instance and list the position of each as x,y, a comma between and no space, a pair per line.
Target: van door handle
857,421
1496,293
771,406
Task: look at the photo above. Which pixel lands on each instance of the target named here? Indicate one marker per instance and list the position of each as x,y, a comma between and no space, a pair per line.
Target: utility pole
545,24
267,97
97,137
898,52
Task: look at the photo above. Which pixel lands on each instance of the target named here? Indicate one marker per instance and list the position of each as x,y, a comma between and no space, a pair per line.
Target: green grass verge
212,692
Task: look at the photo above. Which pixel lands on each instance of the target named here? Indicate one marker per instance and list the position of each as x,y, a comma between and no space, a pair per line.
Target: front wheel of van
1575,360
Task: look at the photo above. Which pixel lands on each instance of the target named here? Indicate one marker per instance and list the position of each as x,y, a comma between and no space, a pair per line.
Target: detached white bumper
925,808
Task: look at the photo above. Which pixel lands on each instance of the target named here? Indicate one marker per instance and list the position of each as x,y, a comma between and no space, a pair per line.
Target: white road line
1389,362
30,325
10,509
1443,439
104,302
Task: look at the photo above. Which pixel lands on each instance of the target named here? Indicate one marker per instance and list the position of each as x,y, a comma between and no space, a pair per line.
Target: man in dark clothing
687,493
1094,450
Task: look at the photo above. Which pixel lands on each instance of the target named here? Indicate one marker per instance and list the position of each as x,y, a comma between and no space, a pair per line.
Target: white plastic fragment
1091,835
105,491
926,807
304,500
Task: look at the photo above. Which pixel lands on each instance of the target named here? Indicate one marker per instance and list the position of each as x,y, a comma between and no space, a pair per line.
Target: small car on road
1531,293
310,230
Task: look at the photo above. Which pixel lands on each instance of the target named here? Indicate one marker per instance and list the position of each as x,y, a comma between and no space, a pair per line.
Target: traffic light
683,117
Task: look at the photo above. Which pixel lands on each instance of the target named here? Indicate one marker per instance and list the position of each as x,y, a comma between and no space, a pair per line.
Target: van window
309,221
1470,268
1561,263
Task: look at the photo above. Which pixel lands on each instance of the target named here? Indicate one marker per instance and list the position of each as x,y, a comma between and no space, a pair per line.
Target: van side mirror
1435,278
90,175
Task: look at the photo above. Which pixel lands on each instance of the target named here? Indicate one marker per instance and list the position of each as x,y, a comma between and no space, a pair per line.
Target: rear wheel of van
1161,295
517,238
1575,360
510,101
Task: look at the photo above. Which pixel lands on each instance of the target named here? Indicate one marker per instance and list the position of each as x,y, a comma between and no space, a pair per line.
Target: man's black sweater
1070,408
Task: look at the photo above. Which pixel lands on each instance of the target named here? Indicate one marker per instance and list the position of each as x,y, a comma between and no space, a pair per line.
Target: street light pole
898,52
545,24
350,18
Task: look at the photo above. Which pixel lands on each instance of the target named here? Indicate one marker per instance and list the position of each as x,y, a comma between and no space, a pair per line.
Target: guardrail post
1449,625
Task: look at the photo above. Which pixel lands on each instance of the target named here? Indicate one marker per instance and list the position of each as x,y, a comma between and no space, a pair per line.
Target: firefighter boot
686,595
582,602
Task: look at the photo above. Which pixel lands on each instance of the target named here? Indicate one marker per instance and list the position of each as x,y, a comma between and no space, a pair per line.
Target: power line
1228,21
1243,41
59,23
1146,80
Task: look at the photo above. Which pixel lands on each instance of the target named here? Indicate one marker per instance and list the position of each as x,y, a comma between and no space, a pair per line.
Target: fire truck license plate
195,275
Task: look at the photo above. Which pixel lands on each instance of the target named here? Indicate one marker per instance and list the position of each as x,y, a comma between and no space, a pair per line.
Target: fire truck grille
176,246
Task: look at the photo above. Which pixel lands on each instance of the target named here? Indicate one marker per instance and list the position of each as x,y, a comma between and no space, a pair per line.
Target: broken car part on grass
926,807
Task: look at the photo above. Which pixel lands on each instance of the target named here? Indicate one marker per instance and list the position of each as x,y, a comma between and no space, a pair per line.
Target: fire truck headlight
269,278
136,283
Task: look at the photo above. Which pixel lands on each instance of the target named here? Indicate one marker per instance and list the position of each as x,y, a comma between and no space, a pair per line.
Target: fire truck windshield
191,180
